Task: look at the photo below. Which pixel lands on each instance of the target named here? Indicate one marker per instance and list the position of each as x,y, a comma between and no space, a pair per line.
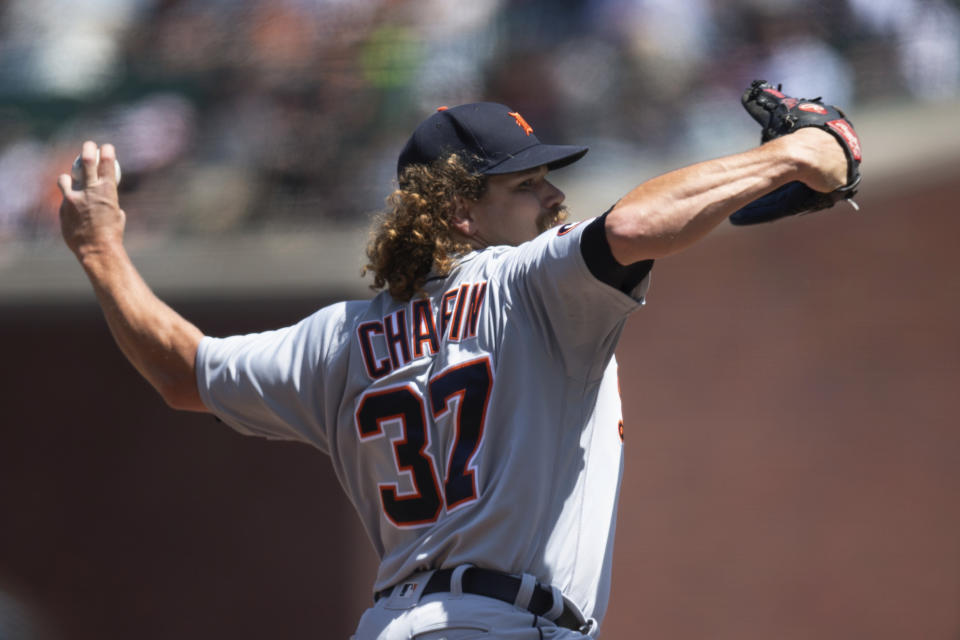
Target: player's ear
462,219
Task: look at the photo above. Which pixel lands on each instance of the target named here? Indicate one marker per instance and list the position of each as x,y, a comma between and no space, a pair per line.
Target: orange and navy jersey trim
405,405
564,229
424,329
417,331
375,368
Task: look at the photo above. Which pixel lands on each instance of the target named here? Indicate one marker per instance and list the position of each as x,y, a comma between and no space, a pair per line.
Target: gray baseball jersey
480,424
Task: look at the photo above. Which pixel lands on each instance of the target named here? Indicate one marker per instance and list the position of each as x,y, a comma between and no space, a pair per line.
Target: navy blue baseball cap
493,137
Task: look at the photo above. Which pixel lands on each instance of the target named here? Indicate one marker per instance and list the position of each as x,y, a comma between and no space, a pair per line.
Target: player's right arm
160,343
670,212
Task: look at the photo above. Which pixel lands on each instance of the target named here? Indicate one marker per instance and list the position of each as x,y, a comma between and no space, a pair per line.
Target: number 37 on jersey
456,396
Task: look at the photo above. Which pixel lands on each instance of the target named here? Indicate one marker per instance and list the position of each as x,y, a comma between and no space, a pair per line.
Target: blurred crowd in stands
249,115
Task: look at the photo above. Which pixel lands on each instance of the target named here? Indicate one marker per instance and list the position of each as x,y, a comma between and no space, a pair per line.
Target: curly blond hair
413,236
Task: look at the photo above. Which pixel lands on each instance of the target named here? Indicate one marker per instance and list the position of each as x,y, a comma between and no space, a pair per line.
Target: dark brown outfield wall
793,433
793,459
122,519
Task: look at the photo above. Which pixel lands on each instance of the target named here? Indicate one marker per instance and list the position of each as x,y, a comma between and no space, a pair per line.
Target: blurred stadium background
793,461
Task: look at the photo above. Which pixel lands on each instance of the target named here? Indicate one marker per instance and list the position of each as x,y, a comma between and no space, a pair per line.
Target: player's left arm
671,212
595,249
159,342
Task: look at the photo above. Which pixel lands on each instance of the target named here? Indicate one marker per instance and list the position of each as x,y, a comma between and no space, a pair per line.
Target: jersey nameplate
415,331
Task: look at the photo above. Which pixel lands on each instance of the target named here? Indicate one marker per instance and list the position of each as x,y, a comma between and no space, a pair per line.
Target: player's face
516,207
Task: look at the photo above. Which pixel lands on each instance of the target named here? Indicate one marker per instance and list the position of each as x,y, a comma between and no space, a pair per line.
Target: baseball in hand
76,171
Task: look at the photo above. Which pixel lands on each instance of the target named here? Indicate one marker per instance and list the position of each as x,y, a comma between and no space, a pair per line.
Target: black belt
493,584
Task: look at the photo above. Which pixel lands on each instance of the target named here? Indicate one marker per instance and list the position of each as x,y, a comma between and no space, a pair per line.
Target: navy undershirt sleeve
604,267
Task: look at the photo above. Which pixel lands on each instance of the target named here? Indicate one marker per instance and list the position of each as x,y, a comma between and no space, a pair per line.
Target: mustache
551,217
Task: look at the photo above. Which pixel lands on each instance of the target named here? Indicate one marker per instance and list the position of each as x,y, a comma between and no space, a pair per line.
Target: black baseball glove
779,115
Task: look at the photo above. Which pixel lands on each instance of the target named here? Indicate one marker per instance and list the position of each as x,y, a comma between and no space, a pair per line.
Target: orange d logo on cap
521,122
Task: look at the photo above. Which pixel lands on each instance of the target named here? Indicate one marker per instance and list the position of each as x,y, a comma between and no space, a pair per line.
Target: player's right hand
90,215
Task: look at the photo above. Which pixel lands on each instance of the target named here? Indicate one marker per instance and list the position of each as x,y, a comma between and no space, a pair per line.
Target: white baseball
76,171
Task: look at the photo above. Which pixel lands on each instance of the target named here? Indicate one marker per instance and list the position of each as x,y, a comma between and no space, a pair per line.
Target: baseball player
470,409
